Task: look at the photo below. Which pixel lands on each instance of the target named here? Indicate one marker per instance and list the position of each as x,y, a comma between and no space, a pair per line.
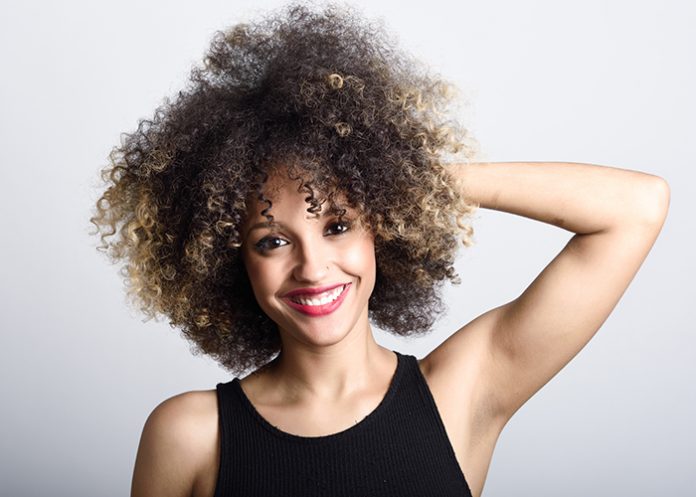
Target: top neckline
351,430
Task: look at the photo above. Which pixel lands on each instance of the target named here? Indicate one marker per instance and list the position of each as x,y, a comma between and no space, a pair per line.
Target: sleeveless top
400,449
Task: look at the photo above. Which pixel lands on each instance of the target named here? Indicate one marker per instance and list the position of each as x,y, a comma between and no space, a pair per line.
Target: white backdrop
605,82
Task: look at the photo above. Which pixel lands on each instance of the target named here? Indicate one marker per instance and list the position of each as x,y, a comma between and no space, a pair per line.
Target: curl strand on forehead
321,196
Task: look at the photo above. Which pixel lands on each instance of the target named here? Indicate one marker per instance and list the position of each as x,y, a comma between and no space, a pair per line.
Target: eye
268,243
345,224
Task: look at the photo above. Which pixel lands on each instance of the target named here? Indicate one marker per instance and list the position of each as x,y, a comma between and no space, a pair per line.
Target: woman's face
303,251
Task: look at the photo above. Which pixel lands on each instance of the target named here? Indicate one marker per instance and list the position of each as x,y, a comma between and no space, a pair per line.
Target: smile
319,305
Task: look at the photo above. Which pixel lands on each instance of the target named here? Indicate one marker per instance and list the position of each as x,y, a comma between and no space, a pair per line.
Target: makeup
320,309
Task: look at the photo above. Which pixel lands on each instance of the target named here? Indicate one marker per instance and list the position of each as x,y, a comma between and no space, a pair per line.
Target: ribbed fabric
400,449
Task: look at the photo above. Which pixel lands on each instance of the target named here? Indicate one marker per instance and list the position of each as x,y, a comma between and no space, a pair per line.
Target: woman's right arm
176,444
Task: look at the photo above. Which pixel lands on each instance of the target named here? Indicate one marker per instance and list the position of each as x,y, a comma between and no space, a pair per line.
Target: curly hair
325,91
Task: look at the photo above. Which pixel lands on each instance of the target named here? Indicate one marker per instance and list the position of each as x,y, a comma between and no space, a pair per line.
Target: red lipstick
312,291
317,310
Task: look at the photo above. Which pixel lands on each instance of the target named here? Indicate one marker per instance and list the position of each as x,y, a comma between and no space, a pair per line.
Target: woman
295,194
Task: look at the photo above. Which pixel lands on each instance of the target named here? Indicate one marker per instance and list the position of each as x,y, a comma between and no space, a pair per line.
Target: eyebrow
268,224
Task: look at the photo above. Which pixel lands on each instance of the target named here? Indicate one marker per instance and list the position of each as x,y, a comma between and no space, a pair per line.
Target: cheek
257,274
260,277
362,260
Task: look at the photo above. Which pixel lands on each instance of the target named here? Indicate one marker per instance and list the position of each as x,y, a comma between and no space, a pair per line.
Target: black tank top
400,449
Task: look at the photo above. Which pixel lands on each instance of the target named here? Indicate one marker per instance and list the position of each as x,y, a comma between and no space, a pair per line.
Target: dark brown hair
325,91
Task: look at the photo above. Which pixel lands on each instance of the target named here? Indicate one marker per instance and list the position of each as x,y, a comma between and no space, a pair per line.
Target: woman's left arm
616,215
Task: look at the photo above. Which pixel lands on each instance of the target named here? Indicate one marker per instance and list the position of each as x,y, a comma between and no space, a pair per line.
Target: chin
316,336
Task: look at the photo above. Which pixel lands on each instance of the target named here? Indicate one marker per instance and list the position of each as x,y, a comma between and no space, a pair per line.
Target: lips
306,292
318,310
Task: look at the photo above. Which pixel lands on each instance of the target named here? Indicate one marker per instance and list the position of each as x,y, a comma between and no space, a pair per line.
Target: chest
471,438
320,419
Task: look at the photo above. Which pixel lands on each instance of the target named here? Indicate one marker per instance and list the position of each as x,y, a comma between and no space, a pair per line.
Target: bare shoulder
178,445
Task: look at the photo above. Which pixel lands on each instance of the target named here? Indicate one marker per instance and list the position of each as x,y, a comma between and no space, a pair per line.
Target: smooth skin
332,373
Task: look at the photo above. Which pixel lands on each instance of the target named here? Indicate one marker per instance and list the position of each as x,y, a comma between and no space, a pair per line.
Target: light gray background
604,82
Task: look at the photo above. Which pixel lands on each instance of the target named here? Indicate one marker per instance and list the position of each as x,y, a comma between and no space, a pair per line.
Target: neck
329,373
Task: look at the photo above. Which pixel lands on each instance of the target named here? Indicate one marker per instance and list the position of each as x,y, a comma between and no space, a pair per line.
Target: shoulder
177,446
187,418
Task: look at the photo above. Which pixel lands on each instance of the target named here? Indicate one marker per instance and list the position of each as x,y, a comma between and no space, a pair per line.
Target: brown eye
268,243
346,225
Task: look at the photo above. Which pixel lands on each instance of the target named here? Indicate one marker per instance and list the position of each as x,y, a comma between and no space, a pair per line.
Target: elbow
657,201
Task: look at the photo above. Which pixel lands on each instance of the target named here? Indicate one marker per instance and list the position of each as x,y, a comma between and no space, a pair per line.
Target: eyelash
260,246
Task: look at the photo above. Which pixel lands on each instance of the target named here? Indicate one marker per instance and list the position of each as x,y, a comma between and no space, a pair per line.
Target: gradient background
603,82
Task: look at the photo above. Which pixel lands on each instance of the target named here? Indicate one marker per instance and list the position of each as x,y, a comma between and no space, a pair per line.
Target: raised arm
616,215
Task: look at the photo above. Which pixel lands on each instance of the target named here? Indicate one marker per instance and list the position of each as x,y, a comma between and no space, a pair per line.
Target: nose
312,264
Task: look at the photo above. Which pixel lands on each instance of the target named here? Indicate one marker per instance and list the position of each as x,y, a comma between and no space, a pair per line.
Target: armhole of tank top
223,463
430,401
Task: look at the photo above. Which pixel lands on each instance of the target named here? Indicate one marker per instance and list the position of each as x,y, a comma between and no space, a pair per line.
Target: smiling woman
290,199
335,251
280,172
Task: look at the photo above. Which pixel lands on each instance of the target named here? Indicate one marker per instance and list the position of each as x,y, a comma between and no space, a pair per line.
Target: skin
332,373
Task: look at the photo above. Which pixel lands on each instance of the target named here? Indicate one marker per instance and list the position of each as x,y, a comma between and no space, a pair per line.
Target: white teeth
325,299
